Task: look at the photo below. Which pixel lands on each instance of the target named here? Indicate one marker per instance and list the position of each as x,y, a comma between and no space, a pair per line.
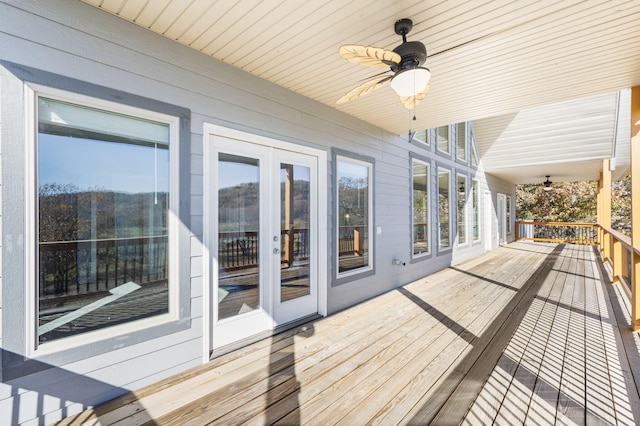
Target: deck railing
617,251
557,232
615,247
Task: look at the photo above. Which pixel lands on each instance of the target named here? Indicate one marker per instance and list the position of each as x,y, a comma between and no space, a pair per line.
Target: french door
264,237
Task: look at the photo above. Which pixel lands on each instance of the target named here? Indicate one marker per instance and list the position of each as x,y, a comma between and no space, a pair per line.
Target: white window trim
32,348
450,246
466,210
369,267
428,252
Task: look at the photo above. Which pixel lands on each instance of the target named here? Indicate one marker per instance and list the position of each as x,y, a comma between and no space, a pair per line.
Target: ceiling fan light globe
410,82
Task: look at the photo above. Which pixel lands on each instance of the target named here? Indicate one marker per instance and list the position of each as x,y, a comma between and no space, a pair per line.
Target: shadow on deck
531,333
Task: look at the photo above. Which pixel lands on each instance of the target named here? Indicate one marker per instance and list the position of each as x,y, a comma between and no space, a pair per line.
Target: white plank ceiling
491,59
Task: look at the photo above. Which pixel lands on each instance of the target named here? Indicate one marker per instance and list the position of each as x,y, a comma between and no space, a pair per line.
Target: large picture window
462,209
103,218
444,209
420,203
355,219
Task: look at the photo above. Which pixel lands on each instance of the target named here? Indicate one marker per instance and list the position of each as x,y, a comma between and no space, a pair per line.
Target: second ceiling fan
410,79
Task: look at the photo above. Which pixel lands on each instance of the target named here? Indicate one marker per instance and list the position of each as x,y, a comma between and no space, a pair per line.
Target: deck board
531,333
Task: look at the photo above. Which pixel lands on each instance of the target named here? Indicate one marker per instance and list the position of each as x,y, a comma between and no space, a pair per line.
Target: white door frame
501,213
212,131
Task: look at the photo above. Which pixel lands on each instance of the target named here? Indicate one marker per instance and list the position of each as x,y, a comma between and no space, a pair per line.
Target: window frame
465,158
474,158
354,274
33,348
442,249
475,210
424,143
465,213
415,257
437,141
508,214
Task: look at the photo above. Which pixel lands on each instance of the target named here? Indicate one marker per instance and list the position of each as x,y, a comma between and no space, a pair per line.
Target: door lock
276,250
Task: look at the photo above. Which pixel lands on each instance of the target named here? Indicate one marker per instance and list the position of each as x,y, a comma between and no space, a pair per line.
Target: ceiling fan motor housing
413,54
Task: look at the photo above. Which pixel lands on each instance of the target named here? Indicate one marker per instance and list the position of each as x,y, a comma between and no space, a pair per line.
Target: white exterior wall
75,40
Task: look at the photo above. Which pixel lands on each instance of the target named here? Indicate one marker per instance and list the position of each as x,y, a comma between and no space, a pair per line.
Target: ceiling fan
410,79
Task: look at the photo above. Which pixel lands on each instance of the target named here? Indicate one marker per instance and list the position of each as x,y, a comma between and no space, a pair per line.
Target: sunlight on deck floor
530,333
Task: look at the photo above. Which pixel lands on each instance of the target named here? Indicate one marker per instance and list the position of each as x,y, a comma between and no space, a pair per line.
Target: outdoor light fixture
410,82
547,184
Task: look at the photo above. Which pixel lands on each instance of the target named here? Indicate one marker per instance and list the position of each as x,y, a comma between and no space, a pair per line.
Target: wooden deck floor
526,334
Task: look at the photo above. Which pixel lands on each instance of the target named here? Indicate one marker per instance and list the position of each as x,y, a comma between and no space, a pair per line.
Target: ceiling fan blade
369,55
410,102
364,88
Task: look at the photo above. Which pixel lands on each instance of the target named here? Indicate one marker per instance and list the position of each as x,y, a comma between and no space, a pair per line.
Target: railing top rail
624,239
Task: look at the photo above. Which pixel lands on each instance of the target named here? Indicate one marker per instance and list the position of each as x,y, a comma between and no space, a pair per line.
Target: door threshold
261,336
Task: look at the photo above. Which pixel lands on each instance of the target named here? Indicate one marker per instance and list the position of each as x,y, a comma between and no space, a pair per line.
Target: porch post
635,212
605,201
599,212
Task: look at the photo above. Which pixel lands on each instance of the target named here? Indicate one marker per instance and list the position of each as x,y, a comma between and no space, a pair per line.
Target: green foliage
574,202
621,205
566,202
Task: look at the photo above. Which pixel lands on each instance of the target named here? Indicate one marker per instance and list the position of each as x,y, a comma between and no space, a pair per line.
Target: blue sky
90,164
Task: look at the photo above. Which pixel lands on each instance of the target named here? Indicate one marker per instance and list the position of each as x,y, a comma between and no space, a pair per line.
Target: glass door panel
238,235
263,209
295,206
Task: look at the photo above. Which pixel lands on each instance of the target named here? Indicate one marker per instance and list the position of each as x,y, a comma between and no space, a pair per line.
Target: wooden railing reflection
91,266
240,250
352,241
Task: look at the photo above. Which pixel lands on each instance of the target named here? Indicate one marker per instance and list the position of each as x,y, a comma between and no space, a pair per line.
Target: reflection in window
462,209
443,139
354,214
443,209
295,204
476,210
461,142
238,237
508,214
103,200
420,198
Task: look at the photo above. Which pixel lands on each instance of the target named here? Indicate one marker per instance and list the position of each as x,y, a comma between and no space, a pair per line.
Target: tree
565,202
574,202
